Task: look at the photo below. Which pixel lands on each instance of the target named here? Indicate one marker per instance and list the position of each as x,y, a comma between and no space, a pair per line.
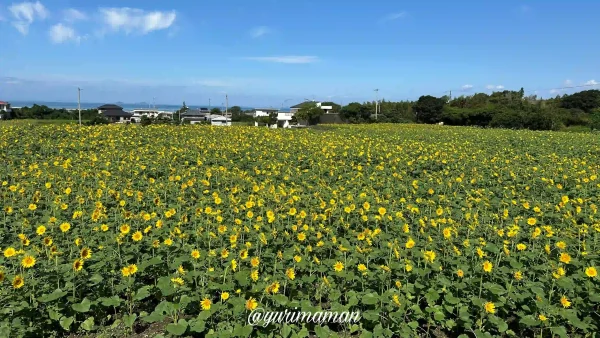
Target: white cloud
259,31
592,83
284,59
136,20
467,87
568,83
60,33
393,17
72,15
25,13
491,87
554,91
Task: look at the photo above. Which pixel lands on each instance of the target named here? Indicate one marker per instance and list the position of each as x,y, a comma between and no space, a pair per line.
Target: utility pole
226,105
376,102
450,95
79,103
209,104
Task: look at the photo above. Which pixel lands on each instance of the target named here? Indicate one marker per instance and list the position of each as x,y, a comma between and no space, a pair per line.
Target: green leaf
451,299
128,320
286,330
370,299
142,293
529,321
88,324
439,316
96,278
432,296
280,299
56,294
112,301
179,328
84,306
198,326
495,288
560,331
65,322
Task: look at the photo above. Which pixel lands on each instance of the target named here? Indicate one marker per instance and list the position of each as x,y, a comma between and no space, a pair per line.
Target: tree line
502,109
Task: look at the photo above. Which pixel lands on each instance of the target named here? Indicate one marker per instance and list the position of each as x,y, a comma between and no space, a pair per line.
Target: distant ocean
126,106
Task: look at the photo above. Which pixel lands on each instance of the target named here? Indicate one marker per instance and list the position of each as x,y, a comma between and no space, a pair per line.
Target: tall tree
310,113
429,109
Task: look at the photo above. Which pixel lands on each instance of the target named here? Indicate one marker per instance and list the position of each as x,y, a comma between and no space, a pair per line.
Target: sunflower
28,262
487,266
565,258
40,230
591,272
48,241
10,252
195,254
290,273
490,307
205,304
124,229
64,227
255,261
564,301
177,281
224,296
18,282
78,265
137,236
460,273
251,304
86,253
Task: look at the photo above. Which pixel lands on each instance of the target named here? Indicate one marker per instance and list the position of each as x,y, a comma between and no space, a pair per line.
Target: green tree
335,108
216,111
429,109
309,113
355,113
177,116
586,100
235,110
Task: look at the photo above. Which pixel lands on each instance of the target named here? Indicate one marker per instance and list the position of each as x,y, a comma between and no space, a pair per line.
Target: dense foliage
42,112
426,230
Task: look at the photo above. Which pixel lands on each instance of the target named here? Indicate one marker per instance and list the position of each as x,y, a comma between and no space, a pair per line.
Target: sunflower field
428,231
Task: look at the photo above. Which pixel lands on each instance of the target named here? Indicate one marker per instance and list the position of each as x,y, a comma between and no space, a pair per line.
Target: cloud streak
259,31
393,17
72,15
492,87
131,20
25,13
467,87
284,59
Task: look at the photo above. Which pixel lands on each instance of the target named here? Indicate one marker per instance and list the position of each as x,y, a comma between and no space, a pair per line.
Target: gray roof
110,107
116,113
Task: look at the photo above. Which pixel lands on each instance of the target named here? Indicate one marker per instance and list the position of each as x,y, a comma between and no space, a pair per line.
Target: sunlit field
429,231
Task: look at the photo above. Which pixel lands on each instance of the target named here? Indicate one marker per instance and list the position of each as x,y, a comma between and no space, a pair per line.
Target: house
114,113
259,112
195,115
327,109
4,109
220,121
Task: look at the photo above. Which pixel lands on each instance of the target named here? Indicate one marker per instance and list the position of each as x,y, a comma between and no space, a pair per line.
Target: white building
220,121
4,109
259,112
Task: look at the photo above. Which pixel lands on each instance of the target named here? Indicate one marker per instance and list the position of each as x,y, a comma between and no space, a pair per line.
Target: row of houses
115,114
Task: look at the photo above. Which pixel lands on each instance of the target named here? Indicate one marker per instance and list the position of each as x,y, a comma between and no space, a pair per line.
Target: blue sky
263,52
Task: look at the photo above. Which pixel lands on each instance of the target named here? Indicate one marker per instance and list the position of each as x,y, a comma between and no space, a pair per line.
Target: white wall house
259,112
220,121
